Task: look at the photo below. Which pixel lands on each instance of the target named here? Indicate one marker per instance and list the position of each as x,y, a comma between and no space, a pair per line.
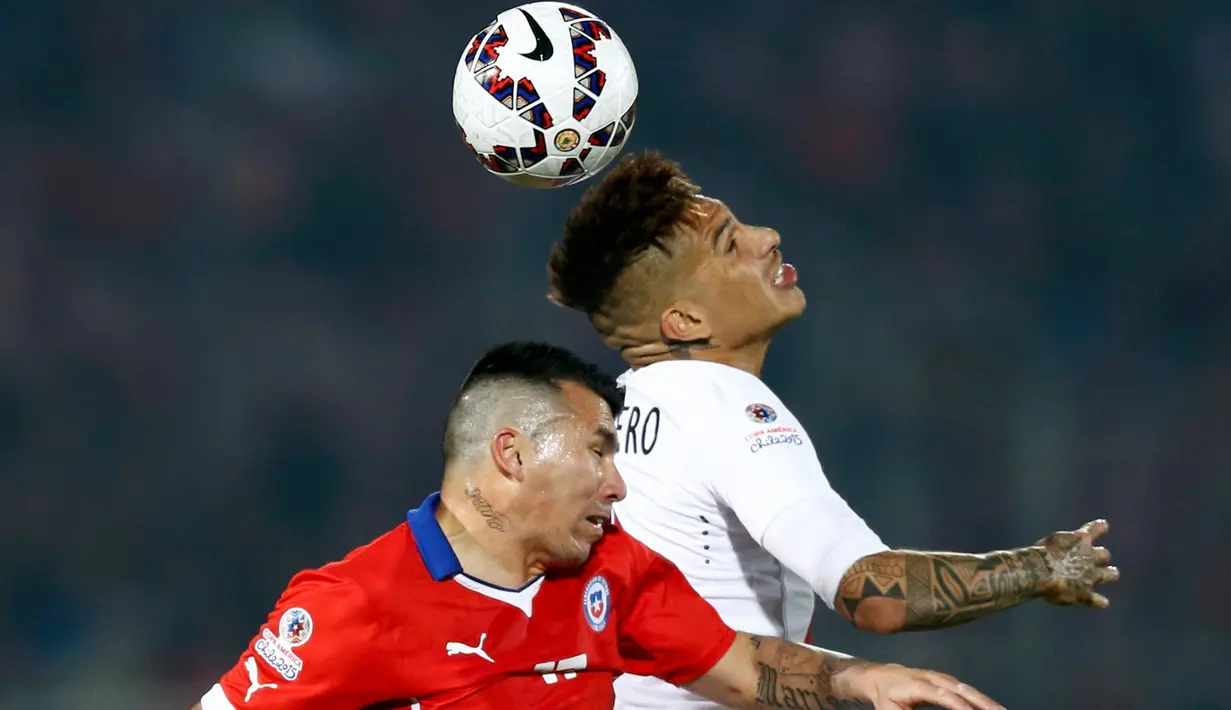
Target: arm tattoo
495,519
940,589
795,676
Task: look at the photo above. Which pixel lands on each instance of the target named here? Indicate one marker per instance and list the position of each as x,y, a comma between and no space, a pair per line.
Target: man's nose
613,488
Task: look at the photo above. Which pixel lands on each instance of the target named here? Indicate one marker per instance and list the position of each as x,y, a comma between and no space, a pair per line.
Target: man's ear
684,322
509,452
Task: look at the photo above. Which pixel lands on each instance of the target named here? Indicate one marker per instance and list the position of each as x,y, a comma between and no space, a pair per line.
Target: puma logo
254,679
454,648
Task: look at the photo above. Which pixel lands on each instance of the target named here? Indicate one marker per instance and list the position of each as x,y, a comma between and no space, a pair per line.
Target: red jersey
398,624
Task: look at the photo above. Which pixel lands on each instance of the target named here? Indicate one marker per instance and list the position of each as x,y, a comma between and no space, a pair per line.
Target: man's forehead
704,209
703,215
587,405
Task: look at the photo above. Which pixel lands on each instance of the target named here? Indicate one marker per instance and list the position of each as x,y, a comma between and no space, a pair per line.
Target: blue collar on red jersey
434,547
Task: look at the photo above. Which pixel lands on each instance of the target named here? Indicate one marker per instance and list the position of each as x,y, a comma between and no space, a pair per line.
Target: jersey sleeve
319,648
669,631
764,469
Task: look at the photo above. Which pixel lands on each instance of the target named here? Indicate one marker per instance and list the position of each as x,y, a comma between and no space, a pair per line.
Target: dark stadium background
245,259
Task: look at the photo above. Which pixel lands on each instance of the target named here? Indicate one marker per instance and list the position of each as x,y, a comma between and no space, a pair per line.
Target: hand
1075,566
894,687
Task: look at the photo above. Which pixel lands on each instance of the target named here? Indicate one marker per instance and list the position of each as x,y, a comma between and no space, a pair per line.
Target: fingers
925,693
1095,528
977,699
1085,593
1102,556
970,695
1091,598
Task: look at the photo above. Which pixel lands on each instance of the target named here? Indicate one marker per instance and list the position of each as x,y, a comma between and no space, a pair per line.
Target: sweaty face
747,290
572,481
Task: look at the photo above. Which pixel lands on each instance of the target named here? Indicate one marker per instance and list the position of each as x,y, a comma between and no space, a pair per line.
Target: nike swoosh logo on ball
542,45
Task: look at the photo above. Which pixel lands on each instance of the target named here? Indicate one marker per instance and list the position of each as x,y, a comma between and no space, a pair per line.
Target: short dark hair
630,211
510,366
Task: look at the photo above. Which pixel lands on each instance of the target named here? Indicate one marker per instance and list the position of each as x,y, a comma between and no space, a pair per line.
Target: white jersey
724,482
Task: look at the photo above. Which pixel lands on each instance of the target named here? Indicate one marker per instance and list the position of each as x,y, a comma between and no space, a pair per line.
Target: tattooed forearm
947,590
929,590
796,676
759,672
494,518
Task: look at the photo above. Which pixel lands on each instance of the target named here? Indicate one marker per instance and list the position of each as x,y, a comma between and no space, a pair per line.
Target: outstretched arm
760,672
902,590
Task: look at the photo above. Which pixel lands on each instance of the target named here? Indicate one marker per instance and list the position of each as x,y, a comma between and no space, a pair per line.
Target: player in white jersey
723,480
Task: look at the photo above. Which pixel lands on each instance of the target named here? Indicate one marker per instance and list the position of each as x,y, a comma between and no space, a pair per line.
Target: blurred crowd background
245,260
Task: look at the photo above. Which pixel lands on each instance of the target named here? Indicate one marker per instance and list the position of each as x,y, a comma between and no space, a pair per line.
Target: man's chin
797,302
576,554
789,310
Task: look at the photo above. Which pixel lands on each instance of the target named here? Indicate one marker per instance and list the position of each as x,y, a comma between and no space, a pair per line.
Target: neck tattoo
495,519
684,349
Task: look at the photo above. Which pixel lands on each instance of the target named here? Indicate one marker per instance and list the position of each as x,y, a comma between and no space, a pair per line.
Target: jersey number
567,667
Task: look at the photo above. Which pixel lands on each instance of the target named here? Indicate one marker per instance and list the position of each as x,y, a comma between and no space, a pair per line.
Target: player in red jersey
511,589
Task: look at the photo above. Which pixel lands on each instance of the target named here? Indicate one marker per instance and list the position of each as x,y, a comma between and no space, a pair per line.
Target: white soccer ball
545,95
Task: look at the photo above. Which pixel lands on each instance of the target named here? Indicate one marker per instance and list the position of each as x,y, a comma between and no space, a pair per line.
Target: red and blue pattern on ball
497,165
489,161
594,82
594,29
473,48
539,116
583,103
499,86
602,136
620,134
526,93
630,116
583,54
508,154
489,53
536,153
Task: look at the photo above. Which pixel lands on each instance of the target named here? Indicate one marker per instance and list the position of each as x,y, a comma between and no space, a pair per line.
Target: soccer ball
545,95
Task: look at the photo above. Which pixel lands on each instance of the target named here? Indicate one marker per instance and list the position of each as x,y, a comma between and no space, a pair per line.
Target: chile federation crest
596,602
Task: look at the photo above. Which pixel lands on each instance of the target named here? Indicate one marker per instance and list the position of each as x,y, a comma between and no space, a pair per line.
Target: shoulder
726,402
629,573
618,555
702,394
371,596
373,575
689,379
625,562
700,385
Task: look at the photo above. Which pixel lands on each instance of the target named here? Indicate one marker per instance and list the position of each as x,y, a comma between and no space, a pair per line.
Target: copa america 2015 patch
294,629
761,413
